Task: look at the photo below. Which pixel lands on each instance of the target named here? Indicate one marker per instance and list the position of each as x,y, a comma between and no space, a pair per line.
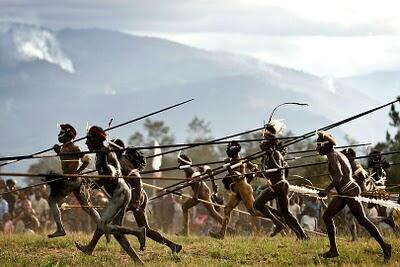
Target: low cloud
29,43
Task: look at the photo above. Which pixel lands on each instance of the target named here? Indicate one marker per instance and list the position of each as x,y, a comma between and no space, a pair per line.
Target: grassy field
34,250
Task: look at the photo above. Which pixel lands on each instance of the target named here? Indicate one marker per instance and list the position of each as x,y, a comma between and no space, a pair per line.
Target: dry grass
34,250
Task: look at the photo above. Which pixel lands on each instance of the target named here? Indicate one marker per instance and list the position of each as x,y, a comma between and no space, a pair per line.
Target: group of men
124,194
127,193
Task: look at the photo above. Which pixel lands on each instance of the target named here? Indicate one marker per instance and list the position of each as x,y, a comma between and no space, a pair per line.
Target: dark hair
233,149
117,143
349,153
227,181
10,182
98,131
68,128
185,157
135,157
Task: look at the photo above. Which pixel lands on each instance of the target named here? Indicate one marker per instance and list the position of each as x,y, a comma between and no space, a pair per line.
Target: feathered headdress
274,128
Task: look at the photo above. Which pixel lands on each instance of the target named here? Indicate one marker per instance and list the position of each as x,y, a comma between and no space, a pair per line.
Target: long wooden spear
108,129
37,156
182,185
229,136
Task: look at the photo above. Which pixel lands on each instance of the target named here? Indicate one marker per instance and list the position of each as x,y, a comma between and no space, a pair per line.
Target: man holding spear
132,162
279,187
200,190
62,188
120,197
348,190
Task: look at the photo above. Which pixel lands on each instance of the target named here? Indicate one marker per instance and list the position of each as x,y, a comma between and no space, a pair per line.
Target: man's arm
136,183
336,176
113,163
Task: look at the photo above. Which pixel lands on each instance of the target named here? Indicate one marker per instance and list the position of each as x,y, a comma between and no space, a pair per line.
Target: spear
58,177
233,135
37,156
293,141
337,147
336,124
110,128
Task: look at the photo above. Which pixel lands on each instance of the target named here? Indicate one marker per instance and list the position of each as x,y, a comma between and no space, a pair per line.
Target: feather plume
380,202
305,191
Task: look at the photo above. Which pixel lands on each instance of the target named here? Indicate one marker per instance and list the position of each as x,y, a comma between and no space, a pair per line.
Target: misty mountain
93,75
373,84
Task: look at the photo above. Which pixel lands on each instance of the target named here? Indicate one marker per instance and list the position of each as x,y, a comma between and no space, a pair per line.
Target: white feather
156,163
380,202
314,193
278,126
305,191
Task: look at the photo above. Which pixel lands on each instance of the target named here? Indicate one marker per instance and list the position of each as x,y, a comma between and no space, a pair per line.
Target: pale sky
327,38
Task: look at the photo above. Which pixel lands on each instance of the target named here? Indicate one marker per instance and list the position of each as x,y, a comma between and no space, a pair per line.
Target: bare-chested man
60,189
120,193
341,179
200,191
132,162
279,187
360,175
237,182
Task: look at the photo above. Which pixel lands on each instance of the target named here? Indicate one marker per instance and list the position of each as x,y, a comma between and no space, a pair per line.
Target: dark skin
70,165
112,216
242,192
340,171
378,164
201,191
28,216
279,190
138,204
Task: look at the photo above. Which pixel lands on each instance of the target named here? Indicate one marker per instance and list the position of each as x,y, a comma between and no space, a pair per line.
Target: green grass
34,250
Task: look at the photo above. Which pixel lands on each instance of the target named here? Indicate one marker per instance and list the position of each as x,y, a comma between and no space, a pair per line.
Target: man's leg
141,220
56,214
358,212
123,241
233,201
260,205
211,209
336,205
283,204
88,249
185,209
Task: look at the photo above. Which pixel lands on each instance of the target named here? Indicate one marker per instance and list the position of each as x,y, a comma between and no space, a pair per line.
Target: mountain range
89,76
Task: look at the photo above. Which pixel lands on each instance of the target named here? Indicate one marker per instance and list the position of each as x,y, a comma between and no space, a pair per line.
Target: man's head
10,183
325,142
117,144
26,205
270,132
95,138
136,158
232,149
67,133
349,153
184,159
205,168
375,156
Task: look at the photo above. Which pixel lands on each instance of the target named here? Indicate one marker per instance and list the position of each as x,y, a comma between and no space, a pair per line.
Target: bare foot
57,234
277,230
176,248
329,254
387,252
83,248
216,235
142,238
